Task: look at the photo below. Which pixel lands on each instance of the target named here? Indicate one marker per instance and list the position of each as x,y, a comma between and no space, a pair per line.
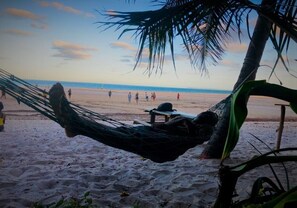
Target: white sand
38,163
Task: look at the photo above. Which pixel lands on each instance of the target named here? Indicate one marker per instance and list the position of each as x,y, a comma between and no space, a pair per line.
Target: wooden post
153,117
281,126
167,118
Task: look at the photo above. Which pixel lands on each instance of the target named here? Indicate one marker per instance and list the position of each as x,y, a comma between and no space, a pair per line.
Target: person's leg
64,113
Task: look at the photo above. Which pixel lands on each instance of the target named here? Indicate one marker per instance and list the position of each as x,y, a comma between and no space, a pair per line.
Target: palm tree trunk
248,71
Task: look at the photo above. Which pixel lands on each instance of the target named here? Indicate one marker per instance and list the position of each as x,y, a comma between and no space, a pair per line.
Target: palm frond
204,27
283,30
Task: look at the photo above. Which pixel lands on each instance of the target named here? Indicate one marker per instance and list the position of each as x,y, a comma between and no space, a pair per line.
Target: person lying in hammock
159,143
201,126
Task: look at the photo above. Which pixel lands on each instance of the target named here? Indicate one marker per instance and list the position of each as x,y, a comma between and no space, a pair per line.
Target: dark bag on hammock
165,107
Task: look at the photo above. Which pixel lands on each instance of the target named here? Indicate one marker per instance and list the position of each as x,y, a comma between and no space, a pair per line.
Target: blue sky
60,40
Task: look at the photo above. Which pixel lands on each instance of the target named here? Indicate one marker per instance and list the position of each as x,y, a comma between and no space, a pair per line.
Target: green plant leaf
284,198
86,194
239,100
278,202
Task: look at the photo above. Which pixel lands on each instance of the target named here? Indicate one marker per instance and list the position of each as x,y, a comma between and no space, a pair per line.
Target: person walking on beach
3,94
69,93
136,97
109,93
178,96
129,97
2,117
153,96
146,97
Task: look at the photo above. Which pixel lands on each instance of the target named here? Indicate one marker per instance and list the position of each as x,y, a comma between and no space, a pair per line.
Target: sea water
49,83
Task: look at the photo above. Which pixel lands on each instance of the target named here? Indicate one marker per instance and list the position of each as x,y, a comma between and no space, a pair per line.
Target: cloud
123,45
229,63
60,6
88,14
111,12
41,26
126,60
237,47
37,21
72,51
64,8
17,32
20,13
144,59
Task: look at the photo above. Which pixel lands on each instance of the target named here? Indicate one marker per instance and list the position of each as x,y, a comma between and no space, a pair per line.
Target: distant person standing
129,97
2,117
3,93
178,96
137,97
153,96
69,93
109,93
146,97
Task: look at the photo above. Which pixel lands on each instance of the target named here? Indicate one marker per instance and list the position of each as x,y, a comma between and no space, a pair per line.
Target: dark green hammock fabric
155,144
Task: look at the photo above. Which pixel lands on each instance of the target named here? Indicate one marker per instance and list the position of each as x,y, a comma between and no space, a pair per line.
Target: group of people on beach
137,97
153,97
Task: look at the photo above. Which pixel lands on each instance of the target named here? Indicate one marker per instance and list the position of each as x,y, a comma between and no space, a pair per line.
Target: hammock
155,144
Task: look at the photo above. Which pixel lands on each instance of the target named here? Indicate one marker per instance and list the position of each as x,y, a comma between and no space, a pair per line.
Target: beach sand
39,163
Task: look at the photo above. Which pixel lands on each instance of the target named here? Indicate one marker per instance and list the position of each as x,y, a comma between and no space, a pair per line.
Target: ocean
49,83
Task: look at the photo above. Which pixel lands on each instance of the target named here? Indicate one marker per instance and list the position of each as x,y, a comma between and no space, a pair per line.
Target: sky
62,41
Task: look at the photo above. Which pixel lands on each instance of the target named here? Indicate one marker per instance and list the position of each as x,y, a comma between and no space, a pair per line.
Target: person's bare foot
56,94
62,110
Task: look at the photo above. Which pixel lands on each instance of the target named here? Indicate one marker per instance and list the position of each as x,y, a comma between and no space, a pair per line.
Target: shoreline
127,87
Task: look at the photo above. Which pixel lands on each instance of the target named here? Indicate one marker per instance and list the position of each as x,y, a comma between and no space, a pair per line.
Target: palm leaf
204,27
239,110
284,29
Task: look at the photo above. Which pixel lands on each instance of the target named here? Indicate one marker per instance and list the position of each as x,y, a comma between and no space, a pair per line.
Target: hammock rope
38,99
155,144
